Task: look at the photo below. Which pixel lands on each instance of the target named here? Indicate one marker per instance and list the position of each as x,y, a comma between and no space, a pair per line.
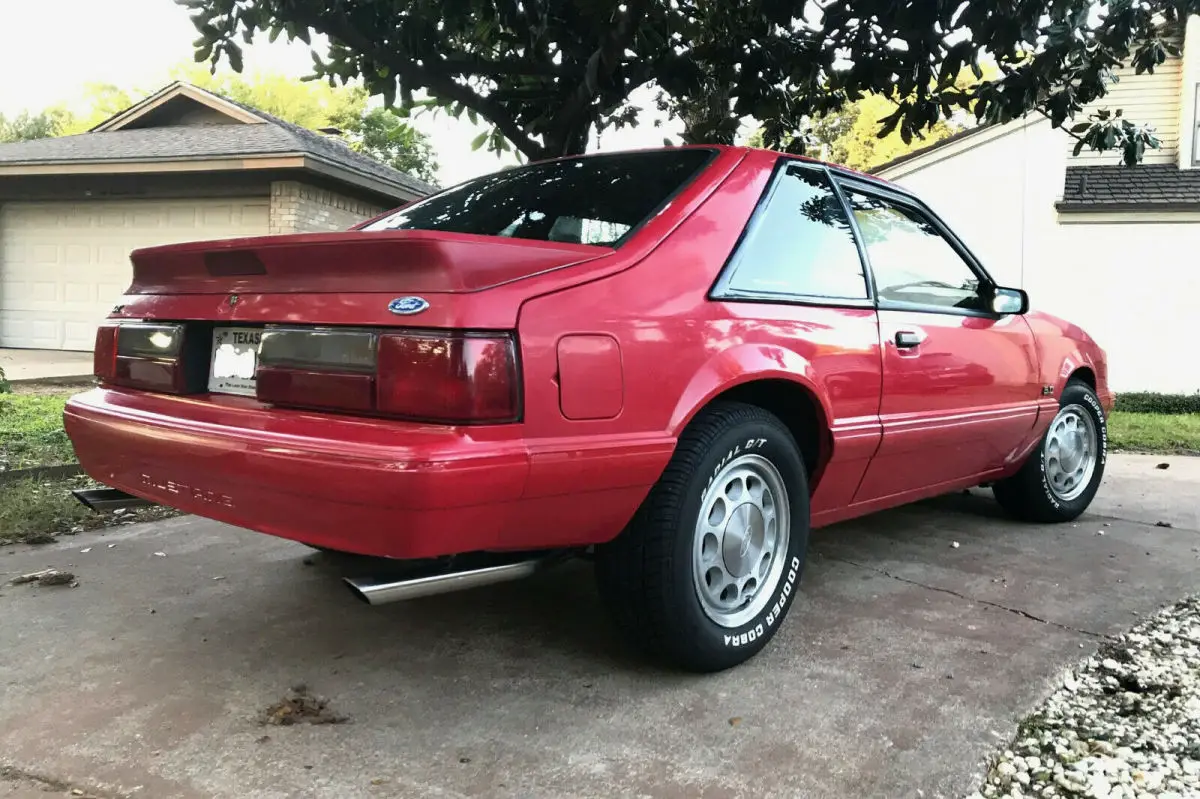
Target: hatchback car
675,361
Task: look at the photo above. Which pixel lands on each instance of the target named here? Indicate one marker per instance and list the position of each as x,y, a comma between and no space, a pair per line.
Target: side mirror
1009,301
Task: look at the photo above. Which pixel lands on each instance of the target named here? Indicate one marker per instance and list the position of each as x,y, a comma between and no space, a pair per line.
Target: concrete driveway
905,662
45,365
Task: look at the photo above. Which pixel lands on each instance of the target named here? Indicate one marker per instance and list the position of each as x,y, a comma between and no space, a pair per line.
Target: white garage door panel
64,265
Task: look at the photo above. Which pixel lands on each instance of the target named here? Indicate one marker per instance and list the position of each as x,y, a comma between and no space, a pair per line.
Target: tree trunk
570,139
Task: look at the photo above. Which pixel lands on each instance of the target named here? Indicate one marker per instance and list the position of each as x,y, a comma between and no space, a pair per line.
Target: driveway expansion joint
988,603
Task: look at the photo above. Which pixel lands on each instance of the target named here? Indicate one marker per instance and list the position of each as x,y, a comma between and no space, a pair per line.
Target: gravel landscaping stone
1124,725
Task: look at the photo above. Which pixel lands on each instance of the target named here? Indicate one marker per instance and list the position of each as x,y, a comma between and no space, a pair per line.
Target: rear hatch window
595,199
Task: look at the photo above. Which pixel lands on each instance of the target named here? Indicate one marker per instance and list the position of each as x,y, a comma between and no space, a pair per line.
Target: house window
1196,128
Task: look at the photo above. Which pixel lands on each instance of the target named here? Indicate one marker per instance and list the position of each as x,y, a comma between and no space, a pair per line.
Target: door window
911,260
800,243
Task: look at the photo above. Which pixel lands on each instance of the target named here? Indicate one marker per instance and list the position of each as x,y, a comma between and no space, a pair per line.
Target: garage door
64,265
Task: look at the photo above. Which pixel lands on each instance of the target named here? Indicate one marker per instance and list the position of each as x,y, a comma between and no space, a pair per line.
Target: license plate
234,360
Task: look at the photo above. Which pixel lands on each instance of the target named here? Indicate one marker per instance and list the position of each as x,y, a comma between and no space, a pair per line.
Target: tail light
455,378
142,355
104,356
451,378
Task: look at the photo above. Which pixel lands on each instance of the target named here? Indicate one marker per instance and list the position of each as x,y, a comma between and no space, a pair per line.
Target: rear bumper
361,485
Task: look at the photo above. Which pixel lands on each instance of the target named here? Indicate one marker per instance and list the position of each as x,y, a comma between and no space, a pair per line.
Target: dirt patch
300,706
47,577
35,512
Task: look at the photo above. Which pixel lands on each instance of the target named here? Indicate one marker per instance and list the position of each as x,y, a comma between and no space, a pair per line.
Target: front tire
709,567
1059,480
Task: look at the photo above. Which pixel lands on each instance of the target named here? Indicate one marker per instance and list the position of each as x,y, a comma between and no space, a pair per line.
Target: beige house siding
301,208
1146,100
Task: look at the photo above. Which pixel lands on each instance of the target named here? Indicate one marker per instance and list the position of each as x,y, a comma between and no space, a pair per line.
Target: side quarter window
798,244
912,262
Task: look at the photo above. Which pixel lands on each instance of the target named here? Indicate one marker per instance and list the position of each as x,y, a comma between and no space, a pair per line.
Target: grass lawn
1153,432
34,511
31,432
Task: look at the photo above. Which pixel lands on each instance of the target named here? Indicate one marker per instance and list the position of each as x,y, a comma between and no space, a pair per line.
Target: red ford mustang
678,361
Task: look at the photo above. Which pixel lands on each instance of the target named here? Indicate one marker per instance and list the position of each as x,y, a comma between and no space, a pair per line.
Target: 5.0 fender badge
406,306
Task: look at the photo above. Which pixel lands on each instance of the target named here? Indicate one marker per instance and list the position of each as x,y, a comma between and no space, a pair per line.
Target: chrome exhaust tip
102,499
375,591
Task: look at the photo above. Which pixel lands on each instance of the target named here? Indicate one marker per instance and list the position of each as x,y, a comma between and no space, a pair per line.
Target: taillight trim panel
278,334
186,359
313,366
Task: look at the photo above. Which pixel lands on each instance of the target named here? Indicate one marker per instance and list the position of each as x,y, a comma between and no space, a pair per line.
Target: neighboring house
184,164
1112,248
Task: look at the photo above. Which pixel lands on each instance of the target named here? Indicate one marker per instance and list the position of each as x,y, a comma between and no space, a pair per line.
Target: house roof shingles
319,144
1121,188
179,142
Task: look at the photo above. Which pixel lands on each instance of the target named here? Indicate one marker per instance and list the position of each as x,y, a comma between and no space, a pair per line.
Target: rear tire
1060,478
709,566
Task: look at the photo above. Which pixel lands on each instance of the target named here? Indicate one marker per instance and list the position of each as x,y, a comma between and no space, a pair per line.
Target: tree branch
1063,128
606,57
496,68
440,82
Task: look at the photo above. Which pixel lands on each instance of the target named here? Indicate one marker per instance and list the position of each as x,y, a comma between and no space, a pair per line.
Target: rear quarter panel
678,350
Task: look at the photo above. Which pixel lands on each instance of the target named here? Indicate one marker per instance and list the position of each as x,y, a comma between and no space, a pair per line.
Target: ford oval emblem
405,306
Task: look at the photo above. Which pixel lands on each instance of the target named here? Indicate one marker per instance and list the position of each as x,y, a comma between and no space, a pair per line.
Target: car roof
737,148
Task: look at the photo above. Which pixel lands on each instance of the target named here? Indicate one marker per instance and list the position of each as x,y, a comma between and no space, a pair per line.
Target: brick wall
300,208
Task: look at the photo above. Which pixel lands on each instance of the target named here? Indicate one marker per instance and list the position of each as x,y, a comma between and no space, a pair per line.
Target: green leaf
1078,148
1080,127
235,56
471,115
479,141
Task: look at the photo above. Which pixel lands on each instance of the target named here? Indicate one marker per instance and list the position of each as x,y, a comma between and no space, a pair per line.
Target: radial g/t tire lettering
707,570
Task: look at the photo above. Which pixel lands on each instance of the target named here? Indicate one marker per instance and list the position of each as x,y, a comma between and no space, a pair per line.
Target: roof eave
176,89
1138,206
340,173
201,163
362,180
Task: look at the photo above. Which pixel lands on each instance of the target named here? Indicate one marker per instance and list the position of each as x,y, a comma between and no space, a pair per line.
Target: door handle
907,339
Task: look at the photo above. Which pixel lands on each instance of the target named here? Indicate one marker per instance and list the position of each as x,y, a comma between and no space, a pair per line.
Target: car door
796,283
960,383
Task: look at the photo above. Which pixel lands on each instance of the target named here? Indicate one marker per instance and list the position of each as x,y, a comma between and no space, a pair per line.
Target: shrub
4,384
1153,402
